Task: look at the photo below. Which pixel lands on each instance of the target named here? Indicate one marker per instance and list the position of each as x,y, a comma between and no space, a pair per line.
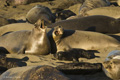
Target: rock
80,68
33,73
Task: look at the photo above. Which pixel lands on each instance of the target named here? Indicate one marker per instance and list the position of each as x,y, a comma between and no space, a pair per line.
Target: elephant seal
17,27
24,41
97,23
40,12
22,2
33,73
111,65
106,11
64,40
91,4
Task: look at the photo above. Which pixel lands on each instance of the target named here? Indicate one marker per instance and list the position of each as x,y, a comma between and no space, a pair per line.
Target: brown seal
40,12
97,23
91,4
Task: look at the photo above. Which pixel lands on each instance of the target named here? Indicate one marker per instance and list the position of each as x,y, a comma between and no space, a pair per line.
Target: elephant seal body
91,4
33,73
103,24
106,11
24,41
69,39
16,27
40,12
111,65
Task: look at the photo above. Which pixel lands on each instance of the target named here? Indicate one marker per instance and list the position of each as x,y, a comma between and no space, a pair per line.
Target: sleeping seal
64,40
98,23
111,65
91,4
24,41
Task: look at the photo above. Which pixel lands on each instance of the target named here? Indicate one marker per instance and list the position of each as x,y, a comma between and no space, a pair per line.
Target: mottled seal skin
29,42
111,65
91,4
67,39
40,12
106,11
97,23
33,73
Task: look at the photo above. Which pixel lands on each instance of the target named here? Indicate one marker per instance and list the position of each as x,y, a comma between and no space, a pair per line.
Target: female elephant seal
67,39
111,65
106,11
98,23
91,4
40,12
33,42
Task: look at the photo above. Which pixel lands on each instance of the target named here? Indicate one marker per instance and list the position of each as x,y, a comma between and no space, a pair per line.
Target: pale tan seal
25,41
111,65
67,39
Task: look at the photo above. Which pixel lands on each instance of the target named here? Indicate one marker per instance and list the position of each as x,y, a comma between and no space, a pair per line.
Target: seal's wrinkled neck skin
39,38
57,34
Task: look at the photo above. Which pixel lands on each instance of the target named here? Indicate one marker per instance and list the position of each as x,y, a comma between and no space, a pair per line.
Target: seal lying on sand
33,42
103,24
67,39
106,11
33,73
40,12
91,4
16,27
111,65
21,2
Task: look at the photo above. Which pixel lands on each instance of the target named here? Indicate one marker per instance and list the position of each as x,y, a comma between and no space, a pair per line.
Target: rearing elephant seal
111,65
31,42
67,39
40,12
